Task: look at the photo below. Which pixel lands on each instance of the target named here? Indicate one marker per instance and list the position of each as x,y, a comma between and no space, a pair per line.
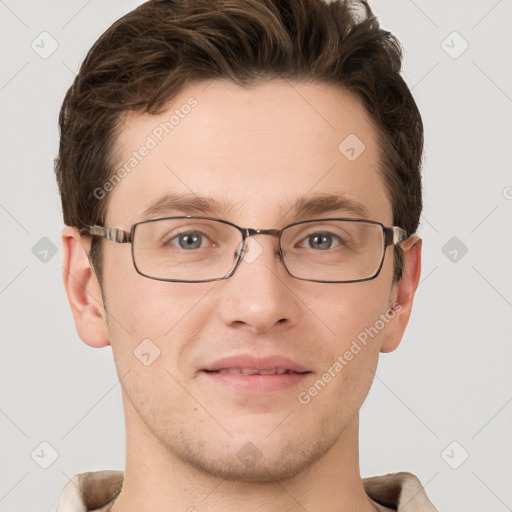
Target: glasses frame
393,235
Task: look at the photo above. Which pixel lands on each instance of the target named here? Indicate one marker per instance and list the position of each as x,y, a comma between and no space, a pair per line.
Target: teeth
247,371
252,371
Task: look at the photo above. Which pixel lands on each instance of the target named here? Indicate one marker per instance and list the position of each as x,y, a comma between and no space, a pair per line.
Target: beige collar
97,489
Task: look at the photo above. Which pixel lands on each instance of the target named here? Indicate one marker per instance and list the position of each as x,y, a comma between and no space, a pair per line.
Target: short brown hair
149,55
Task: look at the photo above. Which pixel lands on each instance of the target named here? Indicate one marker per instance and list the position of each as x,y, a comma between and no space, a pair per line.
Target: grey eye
320,241
187,241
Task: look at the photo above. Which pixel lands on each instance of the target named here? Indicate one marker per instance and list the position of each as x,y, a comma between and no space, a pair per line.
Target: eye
321,241
189,240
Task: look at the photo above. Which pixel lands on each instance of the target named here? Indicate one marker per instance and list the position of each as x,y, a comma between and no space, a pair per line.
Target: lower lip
258,383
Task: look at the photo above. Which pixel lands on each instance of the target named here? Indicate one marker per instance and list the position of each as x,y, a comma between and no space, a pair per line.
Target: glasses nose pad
240,250
252,254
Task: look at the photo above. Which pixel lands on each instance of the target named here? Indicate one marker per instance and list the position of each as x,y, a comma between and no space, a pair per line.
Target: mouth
256,375
252,371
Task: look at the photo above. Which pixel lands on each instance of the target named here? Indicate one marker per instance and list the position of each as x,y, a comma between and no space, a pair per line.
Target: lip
256,363
256,383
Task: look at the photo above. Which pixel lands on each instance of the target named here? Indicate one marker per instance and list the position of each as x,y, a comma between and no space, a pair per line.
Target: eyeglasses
194,249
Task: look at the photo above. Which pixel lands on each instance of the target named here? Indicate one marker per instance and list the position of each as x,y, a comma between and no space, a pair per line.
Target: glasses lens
185,249
333,250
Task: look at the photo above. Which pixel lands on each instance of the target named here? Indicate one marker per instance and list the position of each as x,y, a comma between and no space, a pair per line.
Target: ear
402,294
83,290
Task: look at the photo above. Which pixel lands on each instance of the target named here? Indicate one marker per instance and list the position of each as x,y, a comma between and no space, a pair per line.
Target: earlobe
83,290
403,294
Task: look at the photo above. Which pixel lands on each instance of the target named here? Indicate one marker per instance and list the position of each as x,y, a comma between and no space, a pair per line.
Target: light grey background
450,380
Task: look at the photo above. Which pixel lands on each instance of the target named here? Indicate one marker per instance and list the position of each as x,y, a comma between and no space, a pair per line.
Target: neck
158,480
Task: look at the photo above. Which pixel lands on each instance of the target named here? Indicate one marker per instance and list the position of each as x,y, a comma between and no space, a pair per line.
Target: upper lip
256,363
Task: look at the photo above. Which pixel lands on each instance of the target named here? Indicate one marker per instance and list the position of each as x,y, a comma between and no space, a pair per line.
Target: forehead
249,154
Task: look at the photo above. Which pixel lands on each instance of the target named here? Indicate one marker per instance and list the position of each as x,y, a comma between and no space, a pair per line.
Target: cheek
346,312
354,327
146,316
350,319
143,307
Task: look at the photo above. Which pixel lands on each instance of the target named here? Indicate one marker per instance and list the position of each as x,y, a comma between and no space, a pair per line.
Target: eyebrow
188,204
319,204
315,204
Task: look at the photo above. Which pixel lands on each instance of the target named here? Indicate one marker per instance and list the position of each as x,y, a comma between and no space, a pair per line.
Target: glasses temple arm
395,235
113,234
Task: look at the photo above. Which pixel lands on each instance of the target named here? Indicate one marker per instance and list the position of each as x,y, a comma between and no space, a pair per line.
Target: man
241,185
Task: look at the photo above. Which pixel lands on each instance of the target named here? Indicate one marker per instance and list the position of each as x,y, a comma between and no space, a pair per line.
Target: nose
259,296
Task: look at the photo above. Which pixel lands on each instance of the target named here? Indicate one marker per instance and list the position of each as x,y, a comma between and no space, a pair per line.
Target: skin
260,148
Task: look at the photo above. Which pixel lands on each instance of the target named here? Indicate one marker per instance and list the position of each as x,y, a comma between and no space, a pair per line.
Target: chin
250,462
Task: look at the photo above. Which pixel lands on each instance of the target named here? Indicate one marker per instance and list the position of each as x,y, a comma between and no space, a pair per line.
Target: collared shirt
96,491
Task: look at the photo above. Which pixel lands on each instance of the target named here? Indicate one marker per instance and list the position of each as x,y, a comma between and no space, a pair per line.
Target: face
255,152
